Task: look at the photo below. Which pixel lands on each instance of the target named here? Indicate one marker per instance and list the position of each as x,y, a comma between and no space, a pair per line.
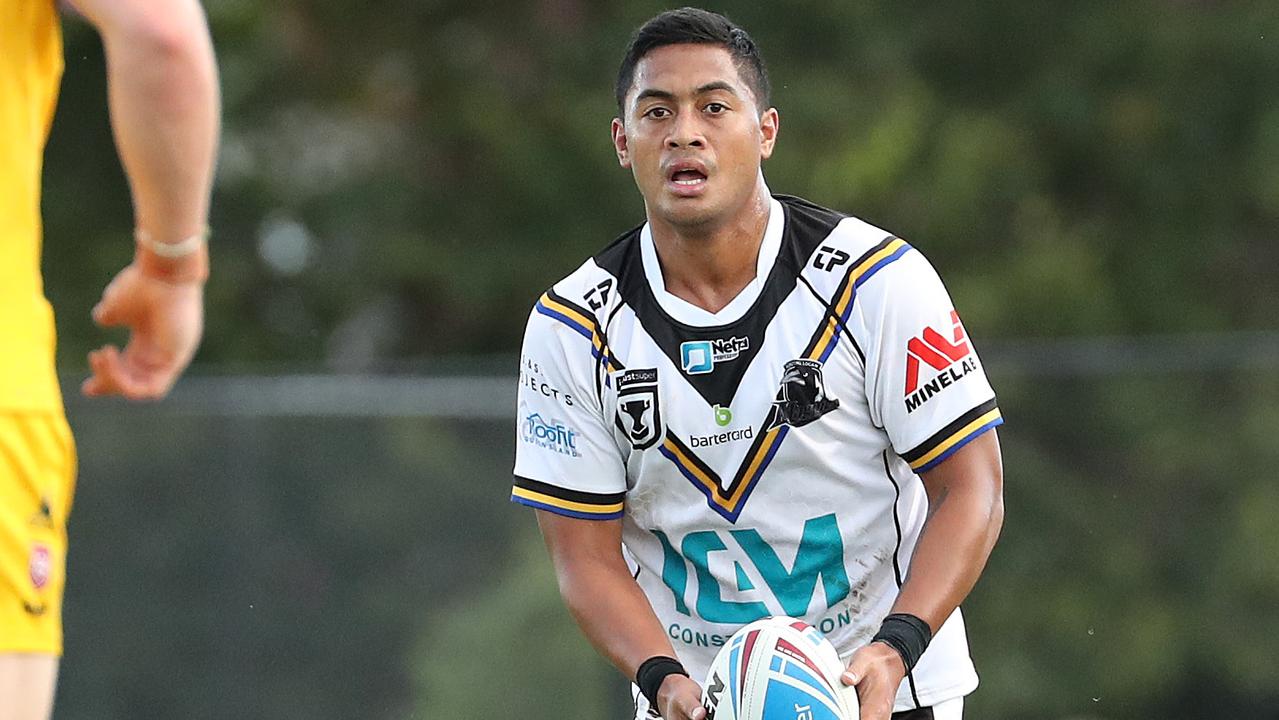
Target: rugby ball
778,668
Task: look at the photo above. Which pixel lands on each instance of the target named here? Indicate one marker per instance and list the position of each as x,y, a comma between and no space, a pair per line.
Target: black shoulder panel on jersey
621,258
805,226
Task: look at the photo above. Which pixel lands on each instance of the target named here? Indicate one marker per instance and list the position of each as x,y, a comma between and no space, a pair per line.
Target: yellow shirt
30,71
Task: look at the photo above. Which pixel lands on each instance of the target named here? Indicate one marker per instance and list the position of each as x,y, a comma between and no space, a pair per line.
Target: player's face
693,136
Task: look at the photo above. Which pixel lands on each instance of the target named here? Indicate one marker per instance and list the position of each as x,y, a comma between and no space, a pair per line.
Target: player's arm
965,515
966,512
163,94
610,607
926,388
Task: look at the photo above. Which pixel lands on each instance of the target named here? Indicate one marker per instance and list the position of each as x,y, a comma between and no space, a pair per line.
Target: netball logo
638,414
802,397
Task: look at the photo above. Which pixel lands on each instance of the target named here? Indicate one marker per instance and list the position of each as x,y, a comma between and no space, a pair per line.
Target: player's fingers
856,670
102,379
694,710
144,374
115,373
152,387
874,697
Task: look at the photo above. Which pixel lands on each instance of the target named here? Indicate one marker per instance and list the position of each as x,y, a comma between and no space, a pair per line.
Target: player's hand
876,670
679,698
165,322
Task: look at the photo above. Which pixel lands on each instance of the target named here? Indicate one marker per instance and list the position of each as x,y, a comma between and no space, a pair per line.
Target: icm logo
951,360
759,582
698,357
553,435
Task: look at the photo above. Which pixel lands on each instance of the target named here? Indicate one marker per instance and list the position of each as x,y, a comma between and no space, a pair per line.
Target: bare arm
609,605
163,90
163,93
966,512
965,515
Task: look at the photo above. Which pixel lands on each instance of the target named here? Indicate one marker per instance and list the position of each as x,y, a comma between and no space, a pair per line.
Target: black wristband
906,634
653,671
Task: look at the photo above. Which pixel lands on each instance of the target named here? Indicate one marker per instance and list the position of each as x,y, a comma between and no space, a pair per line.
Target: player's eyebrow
647,93
717,85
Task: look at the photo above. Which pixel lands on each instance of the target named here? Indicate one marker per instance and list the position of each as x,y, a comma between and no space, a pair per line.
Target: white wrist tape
175,250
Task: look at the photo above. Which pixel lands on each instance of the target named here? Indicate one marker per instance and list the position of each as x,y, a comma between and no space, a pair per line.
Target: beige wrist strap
174,250
181,262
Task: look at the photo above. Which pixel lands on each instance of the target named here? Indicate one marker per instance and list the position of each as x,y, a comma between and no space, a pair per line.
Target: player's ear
769,124
619,143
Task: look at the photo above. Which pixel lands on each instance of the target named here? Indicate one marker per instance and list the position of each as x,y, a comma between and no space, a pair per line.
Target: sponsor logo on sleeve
638,413
549,434
829,258
698,357
531,378
949,360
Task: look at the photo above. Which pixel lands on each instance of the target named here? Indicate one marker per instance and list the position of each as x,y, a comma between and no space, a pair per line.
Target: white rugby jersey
762,458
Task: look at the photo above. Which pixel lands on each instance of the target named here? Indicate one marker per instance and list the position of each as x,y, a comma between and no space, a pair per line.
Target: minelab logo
698,357
952,359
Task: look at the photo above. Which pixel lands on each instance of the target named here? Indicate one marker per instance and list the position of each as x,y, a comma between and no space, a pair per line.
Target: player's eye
716,108
657,112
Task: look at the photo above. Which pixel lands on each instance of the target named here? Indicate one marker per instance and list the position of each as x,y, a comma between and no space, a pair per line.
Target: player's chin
690,213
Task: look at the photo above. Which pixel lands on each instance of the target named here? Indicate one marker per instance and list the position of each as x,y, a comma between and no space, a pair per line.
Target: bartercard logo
951,359
700,441
550,435
698,357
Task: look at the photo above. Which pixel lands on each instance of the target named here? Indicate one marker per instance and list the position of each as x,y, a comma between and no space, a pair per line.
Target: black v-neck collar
805,225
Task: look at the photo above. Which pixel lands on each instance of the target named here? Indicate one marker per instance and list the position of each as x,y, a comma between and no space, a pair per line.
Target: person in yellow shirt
164,107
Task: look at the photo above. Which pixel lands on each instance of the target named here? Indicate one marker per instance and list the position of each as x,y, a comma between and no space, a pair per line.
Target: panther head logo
802,398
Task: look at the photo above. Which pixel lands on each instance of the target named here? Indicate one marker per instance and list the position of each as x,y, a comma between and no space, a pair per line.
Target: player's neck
709,266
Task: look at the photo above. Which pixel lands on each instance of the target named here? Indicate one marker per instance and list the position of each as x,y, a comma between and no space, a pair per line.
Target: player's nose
685,131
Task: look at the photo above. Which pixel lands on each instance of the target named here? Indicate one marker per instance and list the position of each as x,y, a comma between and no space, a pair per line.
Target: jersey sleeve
566,459
924,382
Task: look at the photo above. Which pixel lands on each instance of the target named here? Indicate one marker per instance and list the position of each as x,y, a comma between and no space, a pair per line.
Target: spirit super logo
950,359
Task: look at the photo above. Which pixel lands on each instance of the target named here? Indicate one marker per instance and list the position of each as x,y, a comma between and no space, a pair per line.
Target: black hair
694,25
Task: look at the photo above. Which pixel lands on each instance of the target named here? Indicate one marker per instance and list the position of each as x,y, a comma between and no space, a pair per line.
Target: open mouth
688,178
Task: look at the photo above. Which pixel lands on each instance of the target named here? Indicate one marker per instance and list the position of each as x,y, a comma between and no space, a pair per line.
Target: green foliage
514,652
446,169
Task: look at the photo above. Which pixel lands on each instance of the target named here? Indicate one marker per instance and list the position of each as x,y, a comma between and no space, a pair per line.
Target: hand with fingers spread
161,301
876,670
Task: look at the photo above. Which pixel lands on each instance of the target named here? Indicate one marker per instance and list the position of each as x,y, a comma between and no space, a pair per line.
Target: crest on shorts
39,566
802,398
638,415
